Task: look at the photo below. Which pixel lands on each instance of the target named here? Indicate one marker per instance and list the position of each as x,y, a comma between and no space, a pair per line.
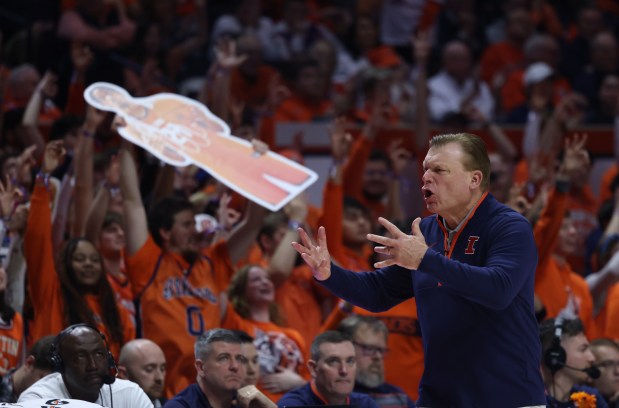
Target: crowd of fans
97,231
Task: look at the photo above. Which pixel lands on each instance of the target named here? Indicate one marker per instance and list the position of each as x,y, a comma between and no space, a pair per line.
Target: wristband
294,225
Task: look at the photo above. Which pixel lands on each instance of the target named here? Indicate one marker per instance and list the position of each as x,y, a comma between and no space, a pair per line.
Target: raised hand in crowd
227,216
53,156
517,200
575,159
567,114
571,109
94,118
226,56
341,140
45,90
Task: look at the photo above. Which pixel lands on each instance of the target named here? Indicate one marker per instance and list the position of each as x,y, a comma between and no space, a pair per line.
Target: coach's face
85,360
448,187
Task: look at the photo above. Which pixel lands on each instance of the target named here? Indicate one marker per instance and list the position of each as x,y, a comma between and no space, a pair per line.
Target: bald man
143,362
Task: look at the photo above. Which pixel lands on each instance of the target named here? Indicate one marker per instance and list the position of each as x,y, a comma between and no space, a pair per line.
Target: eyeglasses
369,350
614,364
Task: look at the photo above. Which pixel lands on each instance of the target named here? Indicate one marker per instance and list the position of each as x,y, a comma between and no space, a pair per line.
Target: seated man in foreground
333,367
82,362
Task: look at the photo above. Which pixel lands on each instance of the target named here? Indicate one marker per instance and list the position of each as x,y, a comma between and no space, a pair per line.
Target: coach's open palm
316,256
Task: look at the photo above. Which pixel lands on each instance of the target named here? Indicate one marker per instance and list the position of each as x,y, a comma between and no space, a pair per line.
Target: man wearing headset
83,365
567,363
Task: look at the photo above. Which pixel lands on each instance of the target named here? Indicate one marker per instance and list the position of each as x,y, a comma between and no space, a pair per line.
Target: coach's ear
476,178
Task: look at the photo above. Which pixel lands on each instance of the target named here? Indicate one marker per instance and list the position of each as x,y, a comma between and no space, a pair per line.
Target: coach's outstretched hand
404,250
316,256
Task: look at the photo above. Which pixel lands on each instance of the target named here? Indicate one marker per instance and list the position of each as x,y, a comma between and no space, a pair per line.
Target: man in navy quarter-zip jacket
470,267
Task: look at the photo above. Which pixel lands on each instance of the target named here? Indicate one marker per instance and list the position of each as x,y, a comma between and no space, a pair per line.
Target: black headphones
55,358
555,357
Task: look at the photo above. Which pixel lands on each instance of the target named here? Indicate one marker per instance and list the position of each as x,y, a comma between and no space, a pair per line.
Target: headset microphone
109,378
592,371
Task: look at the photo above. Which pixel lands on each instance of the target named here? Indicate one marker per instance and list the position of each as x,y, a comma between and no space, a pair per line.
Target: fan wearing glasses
369,336
606,352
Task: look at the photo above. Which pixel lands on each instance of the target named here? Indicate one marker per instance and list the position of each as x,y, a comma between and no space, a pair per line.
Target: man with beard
82,361
142,361
369,335
177,283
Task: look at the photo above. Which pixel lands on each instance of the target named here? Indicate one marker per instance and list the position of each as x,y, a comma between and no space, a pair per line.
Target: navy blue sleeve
291,400
511,260
375,291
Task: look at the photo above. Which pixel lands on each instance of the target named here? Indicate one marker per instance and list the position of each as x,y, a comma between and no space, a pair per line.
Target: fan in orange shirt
538,48
76,290
556,237
300,299
250,82
499,59
11,331
281,351
307,102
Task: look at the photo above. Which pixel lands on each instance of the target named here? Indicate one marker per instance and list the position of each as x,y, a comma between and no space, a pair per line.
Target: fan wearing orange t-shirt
307,102
282,352
76,290
604,281
500,59
538,48
556,284
11,331
178,284
302,302
250,81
